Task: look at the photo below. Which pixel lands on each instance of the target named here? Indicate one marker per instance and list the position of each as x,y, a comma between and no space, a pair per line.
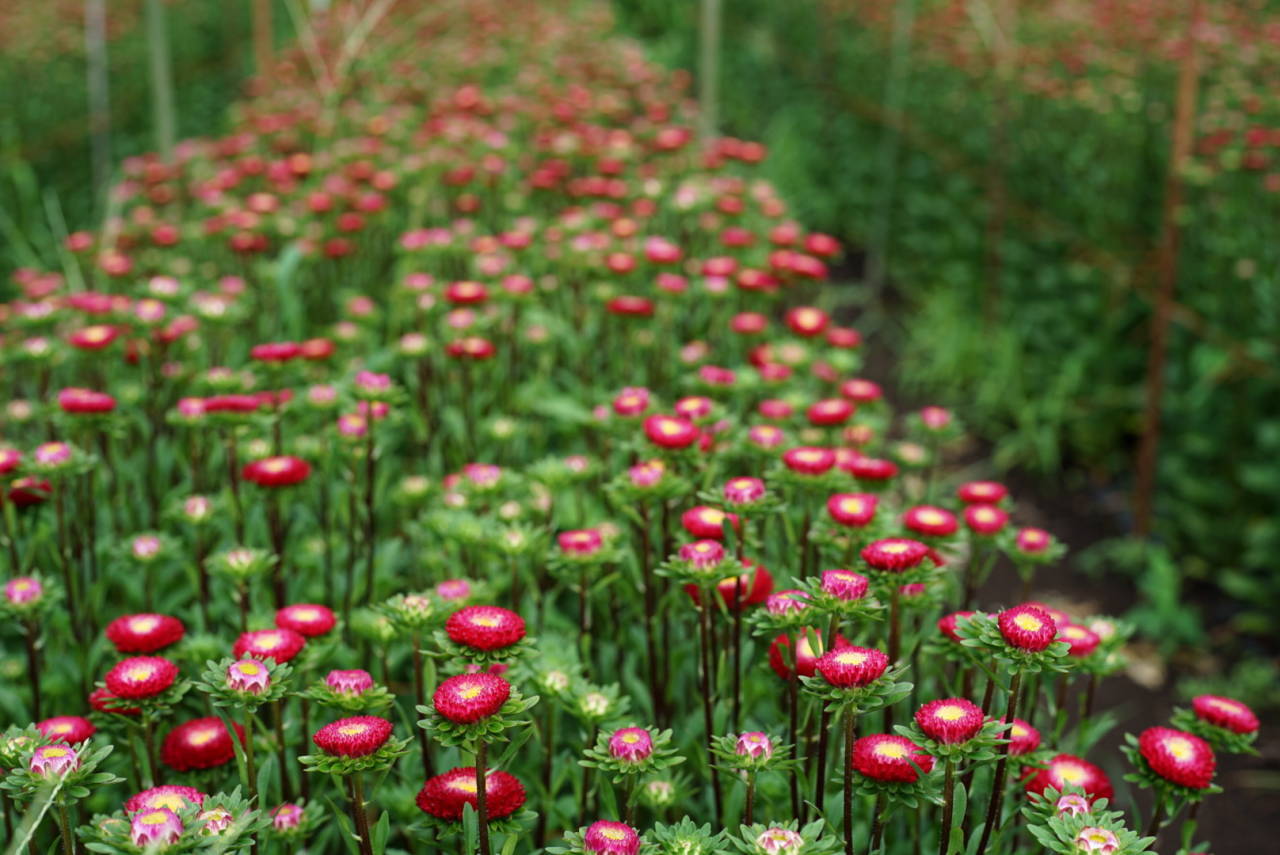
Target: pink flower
631,745
755,745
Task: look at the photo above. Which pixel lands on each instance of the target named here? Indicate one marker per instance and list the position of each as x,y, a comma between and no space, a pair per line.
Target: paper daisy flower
444,796
153,828
894,554
1225,712
354,682
249,676
1177,756
1065,772
849,667
1027,627
631,745
141,677
53,761
358,736
485,627
71,729
278,644
144,633
306,619
200,744
844,584
468,698
891,759
611,838
951,721
172,796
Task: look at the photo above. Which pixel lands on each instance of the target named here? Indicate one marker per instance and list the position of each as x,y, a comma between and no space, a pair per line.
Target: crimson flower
981,493
71,729
199,744
1023,738
141,677
144,633
985,520
1065,771
468,698
175,797
891,759
894,554
281,471
707,522
808,648
610,838
445,796
631,744
809,460
1225,712
358,736
851,667
485,627
1027,627
852,509
1177,756
670,431
306,619
278,644
947,624
930,521
951,721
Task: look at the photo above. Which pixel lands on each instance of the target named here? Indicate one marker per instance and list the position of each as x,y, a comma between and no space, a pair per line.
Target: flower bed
457,454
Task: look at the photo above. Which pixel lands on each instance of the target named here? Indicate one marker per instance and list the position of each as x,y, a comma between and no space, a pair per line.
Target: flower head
744,490
444,796
1065,771
199,744
53,761
307,619
282,471
947,624
286,816
278,644
144,633
1083,641
1225,712
1027,627
353,682
631,744
101,700
930,521
888,758
468,698
1095,839
951,721
782,603
1072,804
172,796
485,627
755,745
358,736
249,676
850,667
844,584
151,827
894,554
809,460
69,729
611,838
1033,541
141,677
1182,758
702,554
23,591
985,520
779,841
808,647
216,820
708,523
583,542
671,432
1023,738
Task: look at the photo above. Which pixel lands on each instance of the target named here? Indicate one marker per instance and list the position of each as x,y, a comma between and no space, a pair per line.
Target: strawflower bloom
850,667
744,490
278,644
786,602
1083,641
354,682
69,729
199,744
947,624
1177,756
985,520
358,736
281,471
307,619
780,841
155,828
755,745
807,650
445,796
52,761
1225,713
1023,738
982,493
951,721
144,633
809,460
707,522
175,797
670,431
611,838
1033,541
1065,771
249,676
23,591
286,816
485,627
141,677
1027,627
584,542
631,745
1095,839
1072,804
894,554
844,584
891,759
216,820
930,521
468,698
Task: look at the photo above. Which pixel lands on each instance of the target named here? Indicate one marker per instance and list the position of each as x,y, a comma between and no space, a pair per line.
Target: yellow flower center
352,729
612,834
172,801
892,750
470,691
851,657
951,712
250,669
139,672
485,621
1181,749
55,752
1029,622
931,517
852,506
465,785
1071,773
630,739
894,548
158,817
202,737
22,585
275,465
144,624
61,727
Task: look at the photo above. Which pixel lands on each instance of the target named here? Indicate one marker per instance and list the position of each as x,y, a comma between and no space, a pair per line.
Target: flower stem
64,828
482,800
1157,818
948,806
359,817
877,824
251,766
848,781
751,797
33,668
997,783
370,516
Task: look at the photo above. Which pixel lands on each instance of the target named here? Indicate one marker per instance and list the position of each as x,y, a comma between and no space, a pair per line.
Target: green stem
848,781
948,807
64,827
358,816
482,800
997,783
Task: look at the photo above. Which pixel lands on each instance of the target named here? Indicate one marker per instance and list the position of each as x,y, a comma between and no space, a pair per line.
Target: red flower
278,644
807,651
103,701
947,624
277,351
467,698
1023,738
850,667
894,554
93,338
307,619
871,469
1225,712
604,837
1027,627
1083,641
282,471
1178,756
982,493
1065,771
930,521
175,797
844,584
71,729
199,744
85,401
707,522
670,431
985,519
830,412
809,460
586,541
861,391
852,509
748,589
141,677
1033,540
807,321
358,736
950,721
144,633
883,757
485,627
444,796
